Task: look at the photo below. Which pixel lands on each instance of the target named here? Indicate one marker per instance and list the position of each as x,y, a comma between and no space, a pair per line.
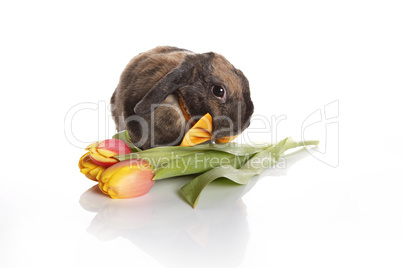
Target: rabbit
163,91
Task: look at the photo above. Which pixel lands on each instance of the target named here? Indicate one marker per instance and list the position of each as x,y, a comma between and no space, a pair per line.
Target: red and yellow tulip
127,179
101,153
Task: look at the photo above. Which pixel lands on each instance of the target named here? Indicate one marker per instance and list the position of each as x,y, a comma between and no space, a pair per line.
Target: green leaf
198,163
191,164
158,158
235,148
172,156
254,166
124,136
192,190
177,161
168,151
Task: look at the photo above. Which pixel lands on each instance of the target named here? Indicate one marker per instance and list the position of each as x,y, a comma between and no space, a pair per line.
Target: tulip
127,179
89,168
101,153
202,132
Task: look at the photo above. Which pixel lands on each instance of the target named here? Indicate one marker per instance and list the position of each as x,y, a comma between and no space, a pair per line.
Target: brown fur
162,75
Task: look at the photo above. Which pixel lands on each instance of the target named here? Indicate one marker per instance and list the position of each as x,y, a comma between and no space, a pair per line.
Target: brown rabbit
163,90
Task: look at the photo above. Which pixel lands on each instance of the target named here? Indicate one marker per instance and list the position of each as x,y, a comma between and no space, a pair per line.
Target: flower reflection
169,230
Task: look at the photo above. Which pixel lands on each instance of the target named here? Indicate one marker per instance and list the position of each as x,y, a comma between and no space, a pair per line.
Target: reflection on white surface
164,226
170,230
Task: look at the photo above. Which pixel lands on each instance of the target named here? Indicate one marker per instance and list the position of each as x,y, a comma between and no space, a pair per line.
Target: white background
337,207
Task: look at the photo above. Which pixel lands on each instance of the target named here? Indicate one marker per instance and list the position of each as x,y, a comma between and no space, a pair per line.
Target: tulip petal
103,161
92,145
106,152
200,132
226,139
114,146
90,169
81,160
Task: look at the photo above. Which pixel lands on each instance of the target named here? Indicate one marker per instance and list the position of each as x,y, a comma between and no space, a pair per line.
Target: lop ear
167,85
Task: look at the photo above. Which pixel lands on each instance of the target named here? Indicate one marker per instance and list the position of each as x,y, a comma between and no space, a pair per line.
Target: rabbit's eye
219,92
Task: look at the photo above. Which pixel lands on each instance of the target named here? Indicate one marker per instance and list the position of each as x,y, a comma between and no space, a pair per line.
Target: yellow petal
205,122
89,168
93,150
100,158
80,163
98,176
92,145
85,171
94,173
199,133
106,153
87,162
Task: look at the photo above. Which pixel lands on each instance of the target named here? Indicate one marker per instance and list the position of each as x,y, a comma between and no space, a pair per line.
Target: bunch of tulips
125,179
124,171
